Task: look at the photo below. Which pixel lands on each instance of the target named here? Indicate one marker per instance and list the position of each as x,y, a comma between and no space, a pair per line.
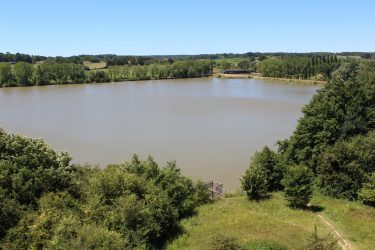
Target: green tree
6,76
298,185
367,193
225,65
39,76
183,193
179,188
345,107
30,168
201,195
255,183
98,76
10,211
272,165
71,234
131,205
23,73
345,166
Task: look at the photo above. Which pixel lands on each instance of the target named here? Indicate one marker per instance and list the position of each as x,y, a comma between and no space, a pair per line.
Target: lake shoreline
117,81
217,75
259,77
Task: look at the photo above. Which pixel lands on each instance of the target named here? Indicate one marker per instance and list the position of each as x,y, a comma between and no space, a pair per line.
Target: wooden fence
215,188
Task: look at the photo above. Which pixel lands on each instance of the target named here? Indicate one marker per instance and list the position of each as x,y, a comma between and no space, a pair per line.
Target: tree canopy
47,202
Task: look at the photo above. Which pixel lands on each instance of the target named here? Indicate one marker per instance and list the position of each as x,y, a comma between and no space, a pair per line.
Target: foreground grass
249,222
252,222
354,220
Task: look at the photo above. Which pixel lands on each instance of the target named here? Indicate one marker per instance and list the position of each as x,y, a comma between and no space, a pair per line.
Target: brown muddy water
210,126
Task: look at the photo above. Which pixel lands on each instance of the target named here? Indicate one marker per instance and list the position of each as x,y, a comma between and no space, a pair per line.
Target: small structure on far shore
215,188
237,71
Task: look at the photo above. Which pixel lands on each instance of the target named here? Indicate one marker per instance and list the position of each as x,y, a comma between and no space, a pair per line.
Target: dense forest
24,70
47,202
332,149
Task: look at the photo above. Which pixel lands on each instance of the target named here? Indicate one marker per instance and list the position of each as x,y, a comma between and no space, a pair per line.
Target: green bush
47,203
298,185
201,195
265,245
367,193
225,242
10,212
99,76
328,242
263,175
344,167
29,169
271,163
255,183
72,235
183,193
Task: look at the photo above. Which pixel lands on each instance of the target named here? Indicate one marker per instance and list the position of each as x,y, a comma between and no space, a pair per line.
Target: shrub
201,195
29,168
254,183
184,195
179,188
270,162
367,193
328,242
10,212
344,167
265,245
263,175
99,76
225,242
297,183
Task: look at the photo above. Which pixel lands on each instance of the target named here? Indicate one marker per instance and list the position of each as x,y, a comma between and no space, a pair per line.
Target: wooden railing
215,188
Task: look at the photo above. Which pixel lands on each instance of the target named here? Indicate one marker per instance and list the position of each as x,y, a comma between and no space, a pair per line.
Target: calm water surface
211,126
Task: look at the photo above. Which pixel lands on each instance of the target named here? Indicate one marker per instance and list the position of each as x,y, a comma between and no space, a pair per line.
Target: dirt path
343,243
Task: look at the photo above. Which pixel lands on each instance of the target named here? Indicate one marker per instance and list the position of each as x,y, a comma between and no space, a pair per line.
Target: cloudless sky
150,27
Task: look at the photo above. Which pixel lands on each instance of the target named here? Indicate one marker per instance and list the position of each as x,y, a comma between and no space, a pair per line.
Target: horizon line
198,54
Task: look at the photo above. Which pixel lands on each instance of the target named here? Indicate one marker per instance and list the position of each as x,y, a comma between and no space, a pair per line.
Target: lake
210,126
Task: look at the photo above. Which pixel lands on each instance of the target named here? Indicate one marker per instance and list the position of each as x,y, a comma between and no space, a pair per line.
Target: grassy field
92,66
232,61
354,220
252,222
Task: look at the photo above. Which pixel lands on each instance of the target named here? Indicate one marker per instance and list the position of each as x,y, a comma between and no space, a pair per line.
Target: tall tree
6,77
23,72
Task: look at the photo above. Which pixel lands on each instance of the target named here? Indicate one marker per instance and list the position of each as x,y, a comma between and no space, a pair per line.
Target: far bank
260,77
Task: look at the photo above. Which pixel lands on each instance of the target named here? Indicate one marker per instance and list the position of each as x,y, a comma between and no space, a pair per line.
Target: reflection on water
210,126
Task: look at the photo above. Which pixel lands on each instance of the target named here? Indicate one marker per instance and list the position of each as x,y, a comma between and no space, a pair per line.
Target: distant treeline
47,73
300,67
112,59
7,57
22,69
179,69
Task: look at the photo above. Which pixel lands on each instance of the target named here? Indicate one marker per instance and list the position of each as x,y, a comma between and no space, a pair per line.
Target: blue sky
146,27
